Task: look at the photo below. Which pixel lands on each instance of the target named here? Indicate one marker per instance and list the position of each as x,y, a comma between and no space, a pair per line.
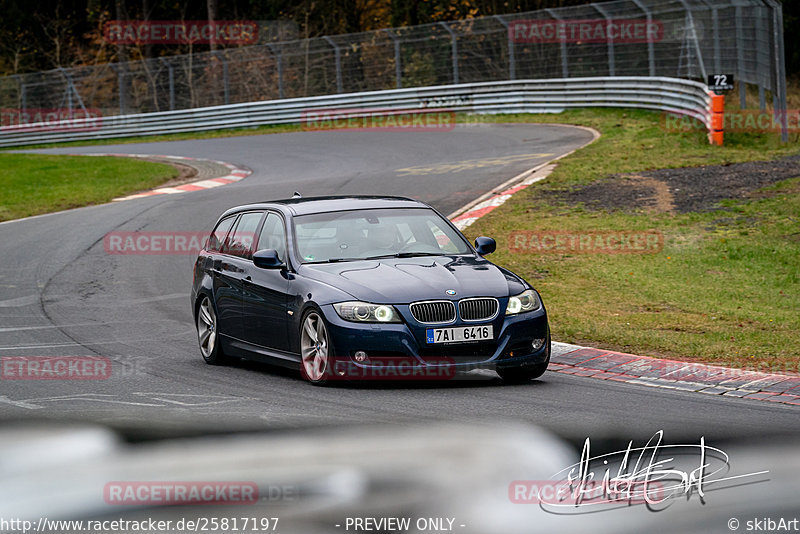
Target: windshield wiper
336,260
405,255
382,256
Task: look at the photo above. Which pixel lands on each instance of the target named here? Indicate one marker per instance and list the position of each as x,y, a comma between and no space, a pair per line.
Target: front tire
520,375
208,334
523,374
315,349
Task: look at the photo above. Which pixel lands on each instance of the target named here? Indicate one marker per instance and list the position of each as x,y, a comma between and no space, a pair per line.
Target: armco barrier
526,96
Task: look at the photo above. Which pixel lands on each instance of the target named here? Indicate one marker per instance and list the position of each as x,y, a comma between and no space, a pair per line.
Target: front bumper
389,343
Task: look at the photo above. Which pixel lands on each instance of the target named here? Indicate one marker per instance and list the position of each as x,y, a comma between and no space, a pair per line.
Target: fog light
537,344
360,355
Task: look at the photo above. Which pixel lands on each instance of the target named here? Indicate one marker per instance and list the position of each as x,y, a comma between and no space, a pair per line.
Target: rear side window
217,237
241,242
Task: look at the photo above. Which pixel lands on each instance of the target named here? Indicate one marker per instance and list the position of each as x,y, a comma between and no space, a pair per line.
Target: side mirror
485,245
267,259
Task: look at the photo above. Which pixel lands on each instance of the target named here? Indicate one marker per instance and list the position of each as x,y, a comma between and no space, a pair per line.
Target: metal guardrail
524,96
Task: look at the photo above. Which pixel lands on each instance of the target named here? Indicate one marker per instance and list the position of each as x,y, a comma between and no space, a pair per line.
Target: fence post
276,51
23,97
740,58
609,39
512,68
564,65
71,90
715,29
219,54
694,38
398,67
122,71
759,51
338,56
651,54
453,48
779,94
715,35
171,79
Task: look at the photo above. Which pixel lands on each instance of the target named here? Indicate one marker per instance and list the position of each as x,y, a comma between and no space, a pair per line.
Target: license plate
459,334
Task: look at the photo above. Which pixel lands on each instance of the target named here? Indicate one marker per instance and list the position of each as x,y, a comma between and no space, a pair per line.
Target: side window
217,237
273,235
240,243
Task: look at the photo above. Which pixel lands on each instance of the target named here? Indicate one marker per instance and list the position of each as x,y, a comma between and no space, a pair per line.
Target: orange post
716,133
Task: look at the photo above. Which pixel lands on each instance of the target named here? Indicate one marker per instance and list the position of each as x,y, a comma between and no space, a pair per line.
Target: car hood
404,280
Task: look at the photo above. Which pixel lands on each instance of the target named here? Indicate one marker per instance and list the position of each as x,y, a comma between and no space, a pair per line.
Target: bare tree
211,6
58,31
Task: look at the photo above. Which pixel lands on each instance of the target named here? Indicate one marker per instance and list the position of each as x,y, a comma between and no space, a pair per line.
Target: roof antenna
297,195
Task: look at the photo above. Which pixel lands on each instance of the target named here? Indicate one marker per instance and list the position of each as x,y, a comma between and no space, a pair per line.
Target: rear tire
208,334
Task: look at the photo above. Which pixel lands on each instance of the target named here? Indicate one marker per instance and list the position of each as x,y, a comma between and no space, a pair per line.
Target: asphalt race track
62,294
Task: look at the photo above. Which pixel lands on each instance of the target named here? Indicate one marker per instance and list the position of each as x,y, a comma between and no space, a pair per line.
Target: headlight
364,312
524,302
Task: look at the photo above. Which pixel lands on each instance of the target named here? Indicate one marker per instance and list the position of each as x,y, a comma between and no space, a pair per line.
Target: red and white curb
782,388
495,200
235,174
490,201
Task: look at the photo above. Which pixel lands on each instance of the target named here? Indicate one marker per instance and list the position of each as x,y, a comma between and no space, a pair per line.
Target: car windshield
378,233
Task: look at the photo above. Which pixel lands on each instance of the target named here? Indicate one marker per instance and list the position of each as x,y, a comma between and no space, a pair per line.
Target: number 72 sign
720,83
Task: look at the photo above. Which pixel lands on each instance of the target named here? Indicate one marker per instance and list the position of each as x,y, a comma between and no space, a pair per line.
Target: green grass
212,134
726,286
31,184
